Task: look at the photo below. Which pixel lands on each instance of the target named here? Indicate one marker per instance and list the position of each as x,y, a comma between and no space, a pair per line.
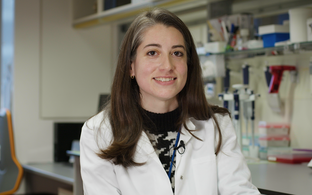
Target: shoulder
98,129
223,120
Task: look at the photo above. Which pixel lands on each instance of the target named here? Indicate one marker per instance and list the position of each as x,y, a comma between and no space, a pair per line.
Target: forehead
160,32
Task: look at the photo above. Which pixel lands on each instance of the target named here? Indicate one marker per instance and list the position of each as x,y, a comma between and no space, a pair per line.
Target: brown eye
178,53
151,53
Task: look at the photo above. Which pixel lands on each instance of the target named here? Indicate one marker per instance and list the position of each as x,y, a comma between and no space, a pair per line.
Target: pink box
273,129
292,156
274,141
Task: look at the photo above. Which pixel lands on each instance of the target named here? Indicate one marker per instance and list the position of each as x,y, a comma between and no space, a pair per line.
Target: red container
293,157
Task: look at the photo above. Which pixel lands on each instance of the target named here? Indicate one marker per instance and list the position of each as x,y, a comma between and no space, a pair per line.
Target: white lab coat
198,170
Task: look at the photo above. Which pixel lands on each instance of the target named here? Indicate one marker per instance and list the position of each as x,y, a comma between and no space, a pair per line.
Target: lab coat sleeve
97,174
233,174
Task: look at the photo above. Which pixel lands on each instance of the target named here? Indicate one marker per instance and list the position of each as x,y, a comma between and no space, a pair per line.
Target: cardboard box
268,29
215,47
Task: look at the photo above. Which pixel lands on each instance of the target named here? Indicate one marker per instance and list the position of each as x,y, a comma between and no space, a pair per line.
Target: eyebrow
177,46
152,45
158,45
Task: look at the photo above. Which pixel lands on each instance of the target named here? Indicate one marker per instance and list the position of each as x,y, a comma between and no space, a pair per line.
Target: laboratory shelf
282,49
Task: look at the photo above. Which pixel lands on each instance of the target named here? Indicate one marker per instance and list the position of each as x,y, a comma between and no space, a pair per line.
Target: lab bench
270,178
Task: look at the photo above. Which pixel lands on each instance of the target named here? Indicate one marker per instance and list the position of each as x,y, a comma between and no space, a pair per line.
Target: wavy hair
124,109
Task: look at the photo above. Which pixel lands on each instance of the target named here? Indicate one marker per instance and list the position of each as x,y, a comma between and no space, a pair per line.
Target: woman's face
160,68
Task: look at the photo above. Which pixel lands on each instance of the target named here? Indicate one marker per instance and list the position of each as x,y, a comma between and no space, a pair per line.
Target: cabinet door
75,64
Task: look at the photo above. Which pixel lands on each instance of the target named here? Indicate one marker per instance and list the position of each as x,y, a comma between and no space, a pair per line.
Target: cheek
183,70
144,69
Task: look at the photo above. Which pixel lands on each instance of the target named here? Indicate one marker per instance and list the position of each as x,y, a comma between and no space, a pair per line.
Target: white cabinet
93,12
75,64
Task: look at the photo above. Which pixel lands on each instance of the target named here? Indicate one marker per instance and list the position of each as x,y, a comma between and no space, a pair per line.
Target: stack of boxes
272,135
272,34
274,143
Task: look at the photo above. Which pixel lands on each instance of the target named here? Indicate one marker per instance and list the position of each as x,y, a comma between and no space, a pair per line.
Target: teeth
164,79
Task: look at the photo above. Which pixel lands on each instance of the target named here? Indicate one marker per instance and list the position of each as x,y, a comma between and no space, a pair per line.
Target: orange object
9,165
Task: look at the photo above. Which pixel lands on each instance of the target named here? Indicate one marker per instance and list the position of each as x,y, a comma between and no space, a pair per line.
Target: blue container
270,39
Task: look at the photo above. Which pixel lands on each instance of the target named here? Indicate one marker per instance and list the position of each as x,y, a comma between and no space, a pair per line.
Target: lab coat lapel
185,134
185,137
145,150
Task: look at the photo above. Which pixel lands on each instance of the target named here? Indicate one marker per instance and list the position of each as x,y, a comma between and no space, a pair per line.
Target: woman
158,134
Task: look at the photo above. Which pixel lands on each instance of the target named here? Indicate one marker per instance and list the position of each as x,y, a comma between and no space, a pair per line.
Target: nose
167,63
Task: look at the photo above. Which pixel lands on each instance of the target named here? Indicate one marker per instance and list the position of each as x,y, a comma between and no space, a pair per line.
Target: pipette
245,70
226,87
236,119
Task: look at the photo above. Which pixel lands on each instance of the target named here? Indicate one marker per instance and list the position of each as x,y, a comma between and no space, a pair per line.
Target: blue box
270,39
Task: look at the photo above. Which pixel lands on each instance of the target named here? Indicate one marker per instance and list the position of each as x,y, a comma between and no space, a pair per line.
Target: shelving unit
95,14
293,47
294,53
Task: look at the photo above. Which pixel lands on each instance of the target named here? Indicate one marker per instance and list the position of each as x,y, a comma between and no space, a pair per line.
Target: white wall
33,136
75,64
78,60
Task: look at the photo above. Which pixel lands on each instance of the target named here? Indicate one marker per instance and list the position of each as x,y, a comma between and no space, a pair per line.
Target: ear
132,69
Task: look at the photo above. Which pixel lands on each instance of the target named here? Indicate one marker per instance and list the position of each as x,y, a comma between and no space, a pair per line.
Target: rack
292,47
95,14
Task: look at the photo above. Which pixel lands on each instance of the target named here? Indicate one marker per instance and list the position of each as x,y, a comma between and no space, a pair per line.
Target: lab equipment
253,149
277,74
289,155
274,141
245,70
242,40
267,75
274,82
250,106
270,129
272,34
226,82
310,164
245,98
236,119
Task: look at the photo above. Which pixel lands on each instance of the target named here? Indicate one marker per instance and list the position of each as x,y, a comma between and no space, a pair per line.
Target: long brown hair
124,110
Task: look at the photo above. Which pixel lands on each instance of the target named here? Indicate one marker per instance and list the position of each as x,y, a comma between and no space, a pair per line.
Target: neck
156,123
160,106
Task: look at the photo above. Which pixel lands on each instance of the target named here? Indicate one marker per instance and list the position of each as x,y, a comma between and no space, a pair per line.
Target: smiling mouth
165,79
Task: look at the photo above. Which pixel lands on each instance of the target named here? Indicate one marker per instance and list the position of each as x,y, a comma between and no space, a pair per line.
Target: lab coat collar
185,137
145,150
185,134
145,147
